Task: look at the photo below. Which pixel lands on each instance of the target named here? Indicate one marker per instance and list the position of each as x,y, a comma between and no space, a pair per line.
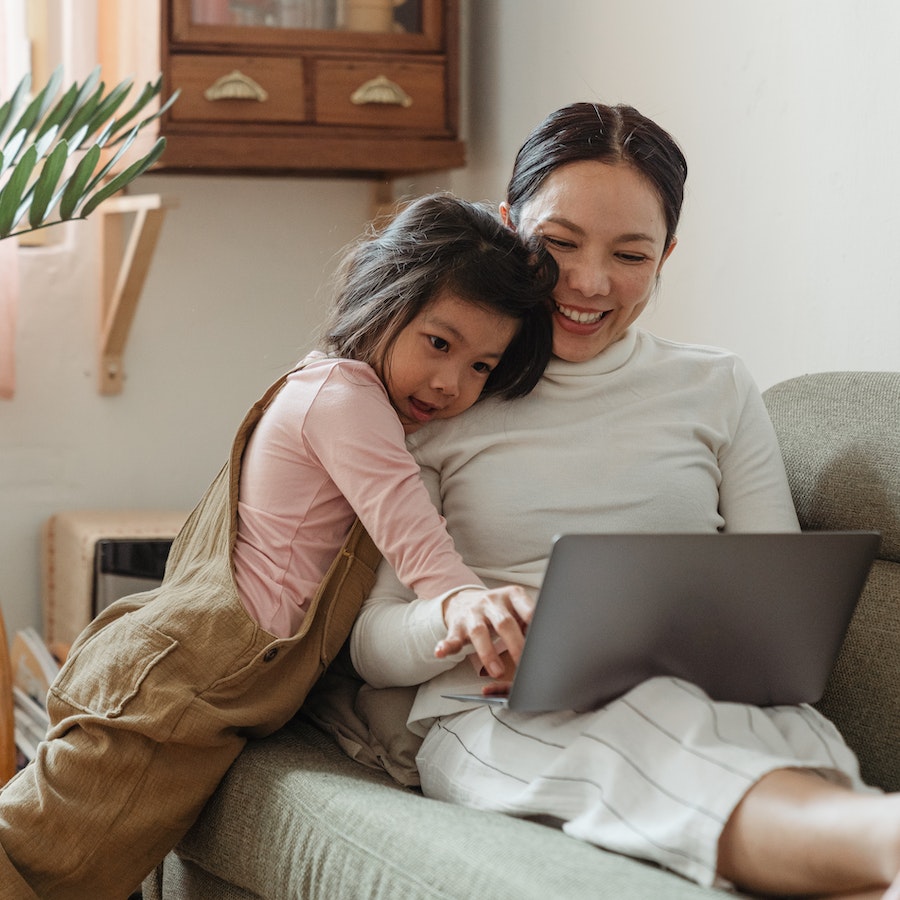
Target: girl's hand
496,689
478,617
499,687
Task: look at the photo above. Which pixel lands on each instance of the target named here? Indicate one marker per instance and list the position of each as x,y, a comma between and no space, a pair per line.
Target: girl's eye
439,343
632,257
482,368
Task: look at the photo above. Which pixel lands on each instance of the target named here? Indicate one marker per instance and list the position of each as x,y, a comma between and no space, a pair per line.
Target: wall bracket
125,266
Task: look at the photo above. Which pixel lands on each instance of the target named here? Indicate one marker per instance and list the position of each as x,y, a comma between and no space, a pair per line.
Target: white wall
787,112
785,109
235,291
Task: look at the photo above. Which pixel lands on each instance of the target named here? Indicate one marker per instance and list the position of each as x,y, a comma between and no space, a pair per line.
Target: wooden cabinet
366,87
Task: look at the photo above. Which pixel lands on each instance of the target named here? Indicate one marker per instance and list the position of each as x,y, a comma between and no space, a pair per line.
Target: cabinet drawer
385,94
237,89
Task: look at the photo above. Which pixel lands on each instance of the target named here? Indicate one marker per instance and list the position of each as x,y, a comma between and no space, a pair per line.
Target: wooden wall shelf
125,266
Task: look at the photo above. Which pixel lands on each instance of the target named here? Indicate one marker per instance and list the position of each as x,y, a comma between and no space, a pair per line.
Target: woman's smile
575,316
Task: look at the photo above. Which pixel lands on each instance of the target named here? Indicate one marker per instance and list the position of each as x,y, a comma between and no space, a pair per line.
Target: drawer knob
380,90
236,86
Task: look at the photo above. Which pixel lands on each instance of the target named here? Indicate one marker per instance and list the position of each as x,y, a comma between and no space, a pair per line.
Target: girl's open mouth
421,412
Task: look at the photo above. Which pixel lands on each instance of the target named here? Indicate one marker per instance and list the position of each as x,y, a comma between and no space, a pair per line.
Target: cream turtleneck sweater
650,435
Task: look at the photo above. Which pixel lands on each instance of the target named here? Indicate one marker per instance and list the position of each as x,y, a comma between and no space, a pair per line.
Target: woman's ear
666,254
505,217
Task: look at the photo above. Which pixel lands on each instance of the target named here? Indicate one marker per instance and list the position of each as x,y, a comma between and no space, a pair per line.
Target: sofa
328,806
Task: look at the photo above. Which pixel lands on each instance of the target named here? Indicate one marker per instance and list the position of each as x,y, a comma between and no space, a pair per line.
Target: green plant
39,186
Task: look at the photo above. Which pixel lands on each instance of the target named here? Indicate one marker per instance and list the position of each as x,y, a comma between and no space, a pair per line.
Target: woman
624,432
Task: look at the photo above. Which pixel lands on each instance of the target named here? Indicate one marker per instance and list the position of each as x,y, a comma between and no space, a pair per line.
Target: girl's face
605,227
439,363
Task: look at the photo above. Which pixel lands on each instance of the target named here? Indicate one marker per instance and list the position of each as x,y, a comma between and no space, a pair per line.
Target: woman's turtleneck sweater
650,435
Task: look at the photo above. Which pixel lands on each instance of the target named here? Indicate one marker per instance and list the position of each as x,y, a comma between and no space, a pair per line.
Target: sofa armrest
840,439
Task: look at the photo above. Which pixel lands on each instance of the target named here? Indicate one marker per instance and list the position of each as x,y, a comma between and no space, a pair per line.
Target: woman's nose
589,278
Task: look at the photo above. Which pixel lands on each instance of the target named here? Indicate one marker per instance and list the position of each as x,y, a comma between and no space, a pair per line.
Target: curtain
9,291
14,61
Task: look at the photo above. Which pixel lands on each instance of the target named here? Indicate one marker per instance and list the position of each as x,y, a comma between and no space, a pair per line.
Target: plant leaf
39,105
87,88
149,92
75,140
108,105
44,142
58,115
11,150
175,95
74,192
83,113
38,136
129,140
45,186
50,90
11,193
123,178
9,109
154,116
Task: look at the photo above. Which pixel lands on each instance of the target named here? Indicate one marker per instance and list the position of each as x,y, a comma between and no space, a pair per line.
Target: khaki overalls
158,697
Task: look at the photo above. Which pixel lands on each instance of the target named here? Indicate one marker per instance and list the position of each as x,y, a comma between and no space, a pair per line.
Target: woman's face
605,227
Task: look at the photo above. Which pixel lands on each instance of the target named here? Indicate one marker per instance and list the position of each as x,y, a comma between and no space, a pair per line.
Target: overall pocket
108,670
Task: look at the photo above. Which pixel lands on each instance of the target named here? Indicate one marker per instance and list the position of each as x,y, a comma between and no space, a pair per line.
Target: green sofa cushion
296,818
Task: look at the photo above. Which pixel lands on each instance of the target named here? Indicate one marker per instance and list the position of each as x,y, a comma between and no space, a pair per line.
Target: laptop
751,618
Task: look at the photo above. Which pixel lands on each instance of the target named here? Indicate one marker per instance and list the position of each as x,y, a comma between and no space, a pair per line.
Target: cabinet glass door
371,16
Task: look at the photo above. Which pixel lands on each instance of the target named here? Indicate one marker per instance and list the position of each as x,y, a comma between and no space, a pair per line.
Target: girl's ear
504,216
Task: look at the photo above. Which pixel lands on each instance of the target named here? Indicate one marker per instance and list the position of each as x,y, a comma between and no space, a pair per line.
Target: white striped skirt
654,775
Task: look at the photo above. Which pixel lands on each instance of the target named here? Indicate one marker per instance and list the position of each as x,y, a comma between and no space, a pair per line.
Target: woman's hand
479,617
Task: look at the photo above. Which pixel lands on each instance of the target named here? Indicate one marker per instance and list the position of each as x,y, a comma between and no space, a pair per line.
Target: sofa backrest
840,439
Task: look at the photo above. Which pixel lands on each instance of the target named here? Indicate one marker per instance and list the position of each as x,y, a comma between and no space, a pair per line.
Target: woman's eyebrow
577,229
565,223
637,236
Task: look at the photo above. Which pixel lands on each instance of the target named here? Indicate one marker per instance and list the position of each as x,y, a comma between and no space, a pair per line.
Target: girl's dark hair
441,243
610,134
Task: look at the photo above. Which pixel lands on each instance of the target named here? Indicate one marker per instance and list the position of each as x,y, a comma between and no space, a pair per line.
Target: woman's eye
482,368
438,343
558,243
632,257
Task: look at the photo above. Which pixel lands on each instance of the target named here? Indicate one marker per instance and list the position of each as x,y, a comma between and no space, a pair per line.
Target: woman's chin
579,347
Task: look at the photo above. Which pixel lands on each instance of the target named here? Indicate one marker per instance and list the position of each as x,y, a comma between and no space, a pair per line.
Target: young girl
437,311
162,690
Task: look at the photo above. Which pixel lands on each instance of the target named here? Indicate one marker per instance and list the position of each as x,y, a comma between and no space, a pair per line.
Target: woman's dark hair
440,243
609,134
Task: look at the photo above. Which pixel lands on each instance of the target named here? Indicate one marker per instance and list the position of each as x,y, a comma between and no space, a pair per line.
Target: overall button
270,654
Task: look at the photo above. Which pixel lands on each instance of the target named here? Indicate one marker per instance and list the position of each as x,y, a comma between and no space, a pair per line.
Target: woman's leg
796,833
656,774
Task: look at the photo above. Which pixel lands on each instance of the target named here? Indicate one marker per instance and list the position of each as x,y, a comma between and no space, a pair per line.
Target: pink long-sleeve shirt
331,447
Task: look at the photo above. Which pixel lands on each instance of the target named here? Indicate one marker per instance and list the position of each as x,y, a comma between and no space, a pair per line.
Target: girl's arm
396,635
355,435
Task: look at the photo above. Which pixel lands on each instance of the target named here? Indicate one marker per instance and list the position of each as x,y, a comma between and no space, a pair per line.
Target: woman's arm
754,494
395,634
